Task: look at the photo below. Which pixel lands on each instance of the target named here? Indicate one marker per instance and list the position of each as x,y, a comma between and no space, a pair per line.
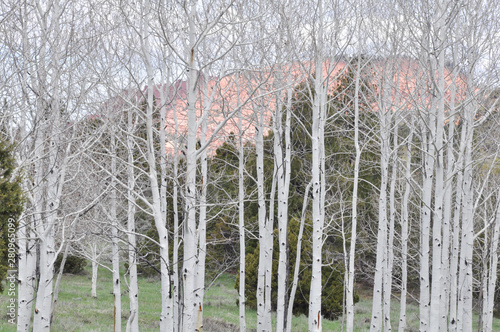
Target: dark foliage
11,206
73,264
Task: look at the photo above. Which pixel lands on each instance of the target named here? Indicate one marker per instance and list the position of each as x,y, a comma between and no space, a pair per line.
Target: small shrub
214,324
73,265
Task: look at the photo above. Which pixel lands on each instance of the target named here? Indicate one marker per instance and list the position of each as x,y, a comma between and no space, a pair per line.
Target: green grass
77,311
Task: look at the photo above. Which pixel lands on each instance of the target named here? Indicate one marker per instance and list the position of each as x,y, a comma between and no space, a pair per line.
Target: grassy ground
78,311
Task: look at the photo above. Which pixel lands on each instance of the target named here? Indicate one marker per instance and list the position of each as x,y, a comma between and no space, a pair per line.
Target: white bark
425,232
176,243
455,250
295,279
387,288
404,232
318,156
265,232
191,304
202,223
438,65
456,230
241,218
117,326
46,227
26,278
354,222
487,314
465,282
158,204
381,260
446,255
133,321
25,238
268,252
317,217
282,221
95,268
282,159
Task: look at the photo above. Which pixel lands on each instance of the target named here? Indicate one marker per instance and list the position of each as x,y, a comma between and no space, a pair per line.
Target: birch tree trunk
282,162
133,321
381,260
387,288
465,283
26,279
316,285
450,175
25,238
265,234
117,326
455,251
95,268
297,257
191,304
241,217
46,227
404,231
438,65
175,256
354,222
318,177
202,224
428,172
487,314
318,123
268,252
158,203
58,282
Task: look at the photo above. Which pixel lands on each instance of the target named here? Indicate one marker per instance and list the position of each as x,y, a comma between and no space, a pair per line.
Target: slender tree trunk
282,161
428,176
26,253
282,221
46,229
95,268
47,251
241,223
202,224
265,234
295,279
455,251
464,312
175,255
492,272
381,260
133,321
483,281
115,240
404,232
159,196
438,65
315,319
268,253
58,282
191,303
26,279
446,255
241,217
354,222
387,288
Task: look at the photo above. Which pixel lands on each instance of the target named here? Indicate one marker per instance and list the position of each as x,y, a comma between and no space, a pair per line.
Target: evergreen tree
339,146
11,206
